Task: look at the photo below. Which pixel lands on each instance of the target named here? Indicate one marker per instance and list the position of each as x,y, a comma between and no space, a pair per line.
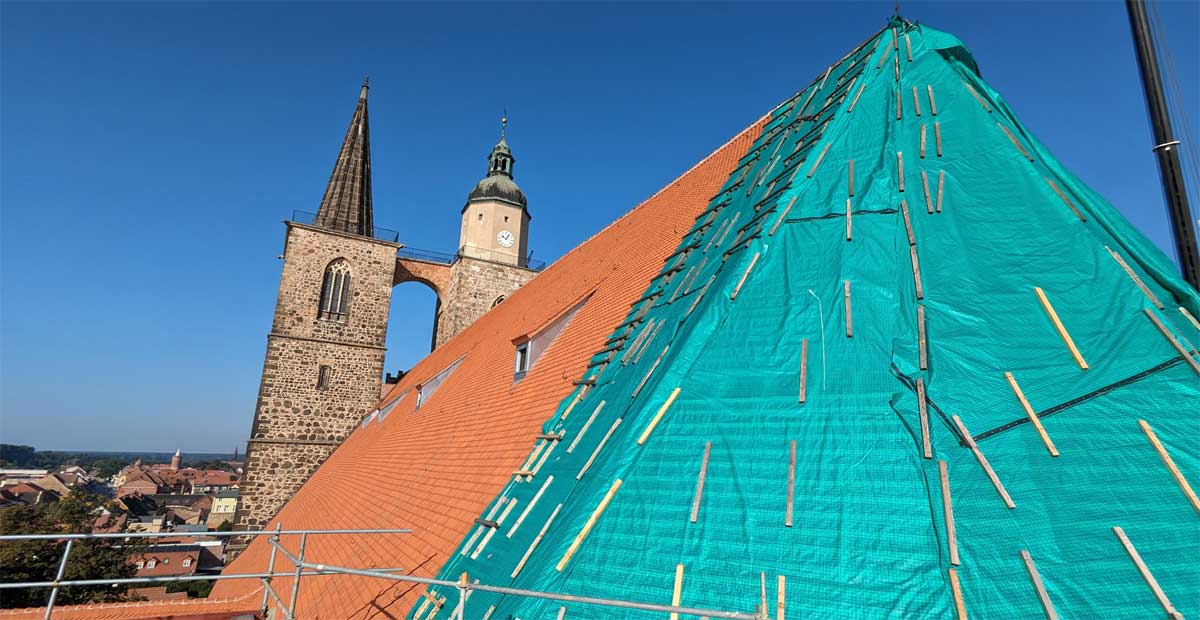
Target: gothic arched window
335,292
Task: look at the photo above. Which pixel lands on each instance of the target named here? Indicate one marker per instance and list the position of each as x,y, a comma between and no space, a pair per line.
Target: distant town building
224,507
168,561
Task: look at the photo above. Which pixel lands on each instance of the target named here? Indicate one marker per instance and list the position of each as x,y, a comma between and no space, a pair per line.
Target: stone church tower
493,247
326,347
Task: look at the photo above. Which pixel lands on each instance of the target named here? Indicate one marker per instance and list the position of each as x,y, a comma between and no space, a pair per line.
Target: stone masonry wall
296,425
474,287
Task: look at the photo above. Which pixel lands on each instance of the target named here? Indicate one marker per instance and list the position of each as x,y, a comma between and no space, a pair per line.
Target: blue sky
150,152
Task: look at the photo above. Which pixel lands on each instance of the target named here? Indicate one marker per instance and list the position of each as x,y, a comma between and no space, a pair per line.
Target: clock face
505,238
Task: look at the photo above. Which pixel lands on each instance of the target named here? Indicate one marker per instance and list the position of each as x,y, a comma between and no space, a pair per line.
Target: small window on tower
323,375
481,217
335,292
506,218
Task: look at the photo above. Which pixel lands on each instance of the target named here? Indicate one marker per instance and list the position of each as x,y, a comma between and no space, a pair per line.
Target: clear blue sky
151,150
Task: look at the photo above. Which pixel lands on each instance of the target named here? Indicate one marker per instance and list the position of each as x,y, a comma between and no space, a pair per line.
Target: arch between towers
434,275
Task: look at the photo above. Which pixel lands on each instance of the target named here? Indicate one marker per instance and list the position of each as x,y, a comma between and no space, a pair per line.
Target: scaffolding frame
302,567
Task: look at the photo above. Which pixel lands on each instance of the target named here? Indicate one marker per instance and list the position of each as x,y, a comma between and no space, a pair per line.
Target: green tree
37,560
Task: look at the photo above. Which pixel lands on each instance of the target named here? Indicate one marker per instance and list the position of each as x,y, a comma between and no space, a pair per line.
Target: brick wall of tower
296,425
474,286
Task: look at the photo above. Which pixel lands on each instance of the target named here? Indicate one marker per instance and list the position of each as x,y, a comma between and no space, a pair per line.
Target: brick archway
434,275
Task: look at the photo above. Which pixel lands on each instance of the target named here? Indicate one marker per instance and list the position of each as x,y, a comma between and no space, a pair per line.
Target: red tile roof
168,561
438,468
242,607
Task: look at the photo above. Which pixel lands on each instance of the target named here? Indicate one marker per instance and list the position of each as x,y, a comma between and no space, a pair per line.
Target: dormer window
530,348
426,389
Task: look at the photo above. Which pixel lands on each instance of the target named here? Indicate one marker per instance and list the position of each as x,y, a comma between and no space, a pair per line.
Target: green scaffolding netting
945,183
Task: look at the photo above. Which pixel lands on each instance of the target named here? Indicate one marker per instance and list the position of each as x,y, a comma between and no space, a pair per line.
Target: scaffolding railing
302,567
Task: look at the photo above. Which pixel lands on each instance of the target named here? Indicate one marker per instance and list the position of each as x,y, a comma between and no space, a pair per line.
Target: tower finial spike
363,93
503,123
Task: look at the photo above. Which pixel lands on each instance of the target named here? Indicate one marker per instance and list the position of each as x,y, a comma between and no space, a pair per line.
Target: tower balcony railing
309,218
429,256
524,262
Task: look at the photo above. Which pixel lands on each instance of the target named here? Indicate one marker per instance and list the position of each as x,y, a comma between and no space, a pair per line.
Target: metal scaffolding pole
1166,145
62,570
70,539
554,596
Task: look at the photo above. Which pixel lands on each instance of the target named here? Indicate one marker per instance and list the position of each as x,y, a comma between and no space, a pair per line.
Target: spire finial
363,94
503,123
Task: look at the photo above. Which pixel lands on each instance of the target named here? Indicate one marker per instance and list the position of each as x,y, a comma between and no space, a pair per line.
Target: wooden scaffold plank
1170,463
923,414
533,545
677,590
791,486
960,607
849,314
658,417
916,101
1058,326
586,426
928,196
854,102
941,185
937,136
819,159
1015,141
1031,414
1147,575
781,598
803,370
908,229
1038,586
923,127
978,98
533,502
916,269
587,527
922,339
849,221
1187,356
932,101
1136,279
900,170
987,467
1066,199
745,275
599,447
700,482
948,512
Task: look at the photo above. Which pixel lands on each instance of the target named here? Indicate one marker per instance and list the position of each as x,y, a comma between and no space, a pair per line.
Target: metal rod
168,579
291,614
178,534
62,570
1169,168
270,569
268,590
553,596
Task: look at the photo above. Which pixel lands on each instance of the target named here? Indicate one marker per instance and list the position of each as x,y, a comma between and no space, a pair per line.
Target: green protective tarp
868,537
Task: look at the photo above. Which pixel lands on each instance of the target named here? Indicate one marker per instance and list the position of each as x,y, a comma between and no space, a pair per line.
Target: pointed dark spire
346,206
